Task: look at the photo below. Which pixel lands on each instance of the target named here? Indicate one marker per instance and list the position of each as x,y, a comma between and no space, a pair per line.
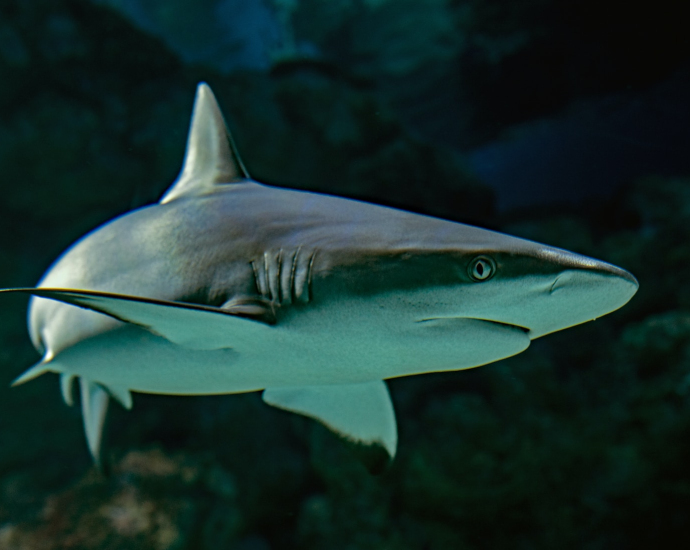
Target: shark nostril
554,284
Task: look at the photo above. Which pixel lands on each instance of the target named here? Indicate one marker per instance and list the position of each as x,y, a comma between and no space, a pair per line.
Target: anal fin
361,413
94,407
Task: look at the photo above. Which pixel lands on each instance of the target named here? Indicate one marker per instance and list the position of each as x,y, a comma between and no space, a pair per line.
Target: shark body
228,285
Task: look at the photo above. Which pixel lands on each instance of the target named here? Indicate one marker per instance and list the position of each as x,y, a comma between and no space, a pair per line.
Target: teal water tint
580,442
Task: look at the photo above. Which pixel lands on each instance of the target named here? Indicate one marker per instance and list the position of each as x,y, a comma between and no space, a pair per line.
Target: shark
228,285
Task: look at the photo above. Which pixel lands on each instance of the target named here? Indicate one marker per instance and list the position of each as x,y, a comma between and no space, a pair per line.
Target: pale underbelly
290,355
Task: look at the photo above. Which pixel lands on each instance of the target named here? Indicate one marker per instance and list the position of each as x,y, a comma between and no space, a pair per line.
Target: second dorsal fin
211,158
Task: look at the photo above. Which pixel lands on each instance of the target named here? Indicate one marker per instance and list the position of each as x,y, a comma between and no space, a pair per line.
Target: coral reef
151,500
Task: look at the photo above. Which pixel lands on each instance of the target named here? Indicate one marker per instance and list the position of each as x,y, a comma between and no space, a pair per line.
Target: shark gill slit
295,256
256,277
553,285
284,284
266,277
279,288
286,277
272,275
259,279
309,270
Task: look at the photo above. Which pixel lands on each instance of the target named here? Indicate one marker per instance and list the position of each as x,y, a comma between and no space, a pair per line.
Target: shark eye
481,268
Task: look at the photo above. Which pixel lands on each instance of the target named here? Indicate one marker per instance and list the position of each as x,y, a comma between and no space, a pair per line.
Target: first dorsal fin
211,157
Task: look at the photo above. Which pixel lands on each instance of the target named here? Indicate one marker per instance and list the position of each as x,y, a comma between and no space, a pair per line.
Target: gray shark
228,285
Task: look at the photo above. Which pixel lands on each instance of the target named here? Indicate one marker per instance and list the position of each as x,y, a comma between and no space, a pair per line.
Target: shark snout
578,295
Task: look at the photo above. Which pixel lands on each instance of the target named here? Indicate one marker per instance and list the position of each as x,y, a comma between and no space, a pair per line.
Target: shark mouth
507,325
492,321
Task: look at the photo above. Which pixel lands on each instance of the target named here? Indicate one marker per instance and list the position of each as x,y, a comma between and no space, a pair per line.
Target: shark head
544,289
228,285
488,293
480,274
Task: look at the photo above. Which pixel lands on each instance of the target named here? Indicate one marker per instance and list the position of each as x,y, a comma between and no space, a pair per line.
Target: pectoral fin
189,325
29,374
362,413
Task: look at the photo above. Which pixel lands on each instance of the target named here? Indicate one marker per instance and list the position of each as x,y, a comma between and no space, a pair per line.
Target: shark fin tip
66,384
94,401
34,372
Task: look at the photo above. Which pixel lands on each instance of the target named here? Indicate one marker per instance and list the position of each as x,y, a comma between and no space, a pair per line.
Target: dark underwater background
562,121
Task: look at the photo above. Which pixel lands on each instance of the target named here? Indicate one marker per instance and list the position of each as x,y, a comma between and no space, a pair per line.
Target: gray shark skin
228,285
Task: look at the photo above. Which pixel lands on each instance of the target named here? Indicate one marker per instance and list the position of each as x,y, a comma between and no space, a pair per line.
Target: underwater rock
151,501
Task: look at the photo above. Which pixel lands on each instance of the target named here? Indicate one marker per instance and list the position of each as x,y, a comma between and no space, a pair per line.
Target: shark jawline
500,323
